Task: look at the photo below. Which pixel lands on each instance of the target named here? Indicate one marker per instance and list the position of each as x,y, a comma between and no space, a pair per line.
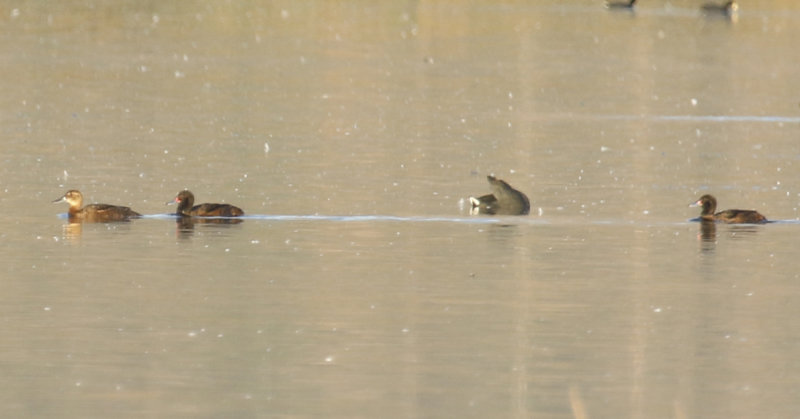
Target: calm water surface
358,285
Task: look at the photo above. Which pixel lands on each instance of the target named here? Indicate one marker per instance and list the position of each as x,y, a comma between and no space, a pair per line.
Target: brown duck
731,216
621,5
504,200
727,9
94,212
185,201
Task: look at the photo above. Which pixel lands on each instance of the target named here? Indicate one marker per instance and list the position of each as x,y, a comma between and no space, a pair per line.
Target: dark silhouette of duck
504,200
728,8
627,5
94,212
731,216
185,201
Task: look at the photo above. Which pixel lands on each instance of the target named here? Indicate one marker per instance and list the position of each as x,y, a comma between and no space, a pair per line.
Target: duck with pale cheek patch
94,212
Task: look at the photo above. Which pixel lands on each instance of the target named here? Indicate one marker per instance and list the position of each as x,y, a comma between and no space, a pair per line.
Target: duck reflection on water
708,231
188,223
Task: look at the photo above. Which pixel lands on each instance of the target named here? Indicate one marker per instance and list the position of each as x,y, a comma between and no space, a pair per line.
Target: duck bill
173,201
696,204
60,199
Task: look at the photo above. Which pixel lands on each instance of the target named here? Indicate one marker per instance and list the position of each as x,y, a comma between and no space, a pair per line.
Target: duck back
216,210
734,216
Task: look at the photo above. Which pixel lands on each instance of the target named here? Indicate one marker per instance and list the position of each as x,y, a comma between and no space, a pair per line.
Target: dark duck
626,5
504,200
731,216
726,9
94,212
186,207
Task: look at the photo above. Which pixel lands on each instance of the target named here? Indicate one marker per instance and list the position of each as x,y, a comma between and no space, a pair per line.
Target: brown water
358,285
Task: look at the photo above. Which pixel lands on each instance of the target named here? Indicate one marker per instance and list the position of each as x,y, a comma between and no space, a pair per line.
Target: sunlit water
358,285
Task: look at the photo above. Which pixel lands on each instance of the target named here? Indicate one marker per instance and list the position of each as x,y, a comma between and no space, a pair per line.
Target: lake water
358,285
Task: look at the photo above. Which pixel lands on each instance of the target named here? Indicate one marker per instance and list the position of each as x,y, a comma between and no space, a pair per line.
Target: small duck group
729,8
106,212
504,200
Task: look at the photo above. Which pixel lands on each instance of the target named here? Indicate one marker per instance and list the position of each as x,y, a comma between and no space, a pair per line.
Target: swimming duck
731,216
185,200
621,5
728,8
504,200
94,212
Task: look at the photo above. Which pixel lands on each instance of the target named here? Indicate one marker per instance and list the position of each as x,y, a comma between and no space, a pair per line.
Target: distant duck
185,200
504,200
728,8
627,5
731,216
94,212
